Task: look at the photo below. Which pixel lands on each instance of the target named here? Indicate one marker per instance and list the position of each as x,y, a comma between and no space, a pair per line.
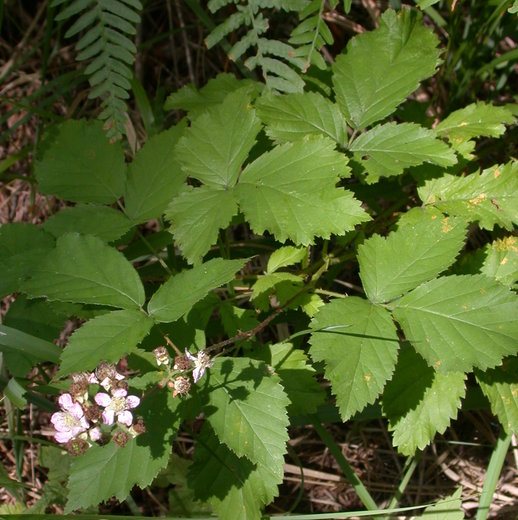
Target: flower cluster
183,364
81,422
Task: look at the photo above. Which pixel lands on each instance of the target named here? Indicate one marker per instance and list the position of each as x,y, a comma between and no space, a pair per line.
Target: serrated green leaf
196,217
83,269
236,489
413,254
389,149
88,219
359,350
213,149
489,198
177,296
21,248
285,256
236,319
248,412
420,402
449,508
500,386
475,120
382,67
110,471
501,260
291,192
291,117
105,338
266,284
154,176
81,165
457,323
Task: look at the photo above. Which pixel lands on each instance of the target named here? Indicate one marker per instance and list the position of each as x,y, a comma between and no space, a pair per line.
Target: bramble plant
177,324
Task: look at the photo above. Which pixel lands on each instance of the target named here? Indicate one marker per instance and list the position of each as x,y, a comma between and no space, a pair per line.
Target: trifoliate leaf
389,149
83,269
382,67
420,402
291,192
293,116
413,254
22,246
196,217
501,260
457,323
154,176
236,488
89,219
358,343
285,256
105,338
500,385
177,296
248,412
81,165
109,471
475,120
214,148
489,198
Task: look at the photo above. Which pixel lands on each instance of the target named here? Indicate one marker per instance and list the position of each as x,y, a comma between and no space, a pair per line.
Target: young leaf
381,68
105,338
420,402
21,248
501,260
457,323
196,217
236,488
84,269
285,256
489,198
389,149
216,145
81,165
291,192
111,471
248,412
89,219
176,297
413,254
359,349
154,176
500,386
293,116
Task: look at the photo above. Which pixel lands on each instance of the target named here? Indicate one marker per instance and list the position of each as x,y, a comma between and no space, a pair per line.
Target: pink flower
117,405
69,423
201,362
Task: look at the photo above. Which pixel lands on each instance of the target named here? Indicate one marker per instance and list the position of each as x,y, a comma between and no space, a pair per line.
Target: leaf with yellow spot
501,260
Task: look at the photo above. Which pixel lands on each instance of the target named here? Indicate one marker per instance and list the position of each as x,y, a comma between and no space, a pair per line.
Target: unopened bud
161,356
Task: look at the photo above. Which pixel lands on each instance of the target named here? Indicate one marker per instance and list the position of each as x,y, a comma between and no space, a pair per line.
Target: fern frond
105,25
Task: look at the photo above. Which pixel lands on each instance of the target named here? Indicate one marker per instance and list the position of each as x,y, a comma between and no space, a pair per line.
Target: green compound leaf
359,349
489,198
420,402
248,412
291,192
177,296
236,488
285,256
154,176
389,149
293,116
500,385
109,471
22,247
81,165
457,323
89,219
216,145
475,120
381,68
196,217
501,260
83,269
415,253
105,338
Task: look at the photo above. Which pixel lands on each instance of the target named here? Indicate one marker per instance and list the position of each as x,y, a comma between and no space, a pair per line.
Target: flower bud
161,356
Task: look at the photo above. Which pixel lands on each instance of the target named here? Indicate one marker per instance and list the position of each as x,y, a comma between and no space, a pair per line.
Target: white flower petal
120,392
125,417
63,437
108,416
65,401
132,401
102,399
